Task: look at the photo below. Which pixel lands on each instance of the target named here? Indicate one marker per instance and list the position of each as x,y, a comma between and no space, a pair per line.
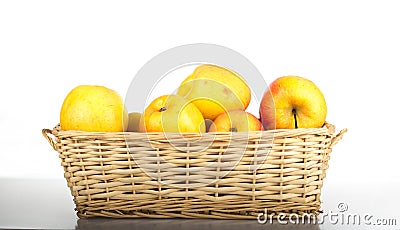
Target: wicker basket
281,170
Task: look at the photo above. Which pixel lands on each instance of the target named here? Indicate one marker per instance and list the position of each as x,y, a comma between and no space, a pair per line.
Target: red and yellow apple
215,90
171,113
293,102
236,121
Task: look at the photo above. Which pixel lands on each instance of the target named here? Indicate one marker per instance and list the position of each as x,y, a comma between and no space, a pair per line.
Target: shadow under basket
209,175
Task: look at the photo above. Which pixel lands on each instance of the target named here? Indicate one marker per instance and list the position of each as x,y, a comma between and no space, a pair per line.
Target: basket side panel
106,181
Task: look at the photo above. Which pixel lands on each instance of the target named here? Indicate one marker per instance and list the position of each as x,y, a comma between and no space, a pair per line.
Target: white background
349,49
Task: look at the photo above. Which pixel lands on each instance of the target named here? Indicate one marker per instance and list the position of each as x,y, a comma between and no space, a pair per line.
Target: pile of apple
211,99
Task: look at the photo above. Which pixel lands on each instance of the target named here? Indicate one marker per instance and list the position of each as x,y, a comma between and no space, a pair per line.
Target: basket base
191,209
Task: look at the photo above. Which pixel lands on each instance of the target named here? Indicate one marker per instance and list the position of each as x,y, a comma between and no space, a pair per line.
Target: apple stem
163,109
295,118
233,129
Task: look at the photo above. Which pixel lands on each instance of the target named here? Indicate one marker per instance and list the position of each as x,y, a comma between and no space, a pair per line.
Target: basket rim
327,129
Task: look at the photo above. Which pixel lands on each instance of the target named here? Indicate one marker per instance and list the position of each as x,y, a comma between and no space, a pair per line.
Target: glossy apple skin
215,90
172,113
291,96
236,121
93,108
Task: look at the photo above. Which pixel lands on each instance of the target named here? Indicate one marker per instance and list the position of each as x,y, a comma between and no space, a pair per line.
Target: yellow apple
93,108
171,113
236,121
293,102
133,123
215,90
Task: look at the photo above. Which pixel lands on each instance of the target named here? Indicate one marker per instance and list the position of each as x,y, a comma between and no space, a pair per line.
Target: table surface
47,204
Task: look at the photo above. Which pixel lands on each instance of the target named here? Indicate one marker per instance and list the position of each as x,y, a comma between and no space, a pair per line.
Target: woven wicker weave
281,170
